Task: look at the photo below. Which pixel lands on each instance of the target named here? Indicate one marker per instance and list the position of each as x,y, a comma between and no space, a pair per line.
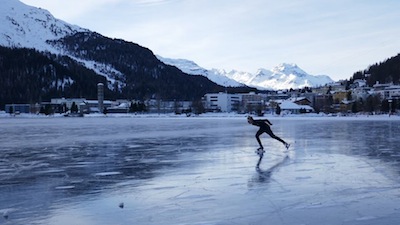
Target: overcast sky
330,37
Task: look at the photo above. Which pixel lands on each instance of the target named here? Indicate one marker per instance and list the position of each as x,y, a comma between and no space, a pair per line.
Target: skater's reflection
264,175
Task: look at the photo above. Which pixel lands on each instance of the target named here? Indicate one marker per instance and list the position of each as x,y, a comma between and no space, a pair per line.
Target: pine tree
74,108
198,107
48,110
278,110
133,107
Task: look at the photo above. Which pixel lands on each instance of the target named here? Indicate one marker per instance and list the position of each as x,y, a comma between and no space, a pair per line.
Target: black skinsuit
265,127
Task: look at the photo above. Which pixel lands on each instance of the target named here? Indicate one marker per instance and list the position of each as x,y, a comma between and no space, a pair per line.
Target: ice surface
198,171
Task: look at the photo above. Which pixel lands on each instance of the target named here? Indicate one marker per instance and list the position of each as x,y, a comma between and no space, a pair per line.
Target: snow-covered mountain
26,26
283,76
286,76
192,68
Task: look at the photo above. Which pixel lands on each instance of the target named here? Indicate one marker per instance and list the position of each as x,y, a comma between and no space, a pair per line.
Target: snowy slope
192,68
283,76
286,76
184,65
26,26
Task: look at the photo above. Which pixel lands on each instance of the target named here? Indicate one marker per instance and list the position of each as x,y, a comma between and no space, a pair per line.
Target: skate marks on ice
327,189
71,175
309,189
86,169
207,178
315,189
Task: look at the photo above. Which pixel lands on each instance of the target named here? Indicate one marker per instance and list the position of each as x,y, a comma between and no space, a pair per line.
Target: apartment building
222,102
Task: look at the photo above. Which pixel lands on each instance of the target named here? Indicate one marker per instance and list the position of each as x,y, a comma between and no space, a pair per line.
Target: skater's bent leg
259,132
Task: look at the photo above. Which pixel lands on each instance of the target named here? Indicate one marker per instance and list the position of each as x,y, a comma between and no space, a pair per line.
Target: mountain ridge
282,76
18,30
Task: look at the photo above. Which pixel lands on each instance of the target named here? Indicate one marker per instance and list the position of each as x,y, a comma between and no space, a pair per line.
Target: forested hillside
29,76
143,75
385,72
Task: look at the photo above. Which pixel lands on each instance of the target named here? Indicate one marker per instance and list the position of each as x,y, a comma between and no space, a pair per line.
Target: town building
362,93
18,108
389,92
159,106
290,107
222,102
340,95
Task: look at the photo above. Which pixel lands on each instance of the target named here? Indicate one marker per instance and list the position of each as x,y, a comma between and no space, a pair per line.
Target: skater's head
250,119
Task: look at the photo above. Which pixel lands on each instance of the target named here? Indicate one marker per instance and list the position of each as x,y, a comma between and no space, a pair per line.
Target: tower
100,96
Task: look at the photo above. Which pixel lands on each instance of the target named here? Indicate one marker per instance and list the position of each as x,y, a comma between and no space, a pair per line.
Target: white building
361,93
222,102
390,92
85,105
67,101
294,108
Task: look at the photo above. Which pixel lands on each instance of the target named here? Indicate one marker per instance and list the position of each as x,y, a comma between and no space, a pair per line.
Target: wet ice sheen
198,171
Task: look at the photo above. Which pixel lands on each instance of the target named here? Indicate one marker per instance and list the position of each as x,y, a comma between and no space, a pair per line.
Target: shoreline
315,116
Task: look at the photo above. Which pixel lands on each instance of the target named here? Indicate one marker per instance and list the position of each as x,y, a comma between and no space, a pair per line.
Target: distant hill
385,72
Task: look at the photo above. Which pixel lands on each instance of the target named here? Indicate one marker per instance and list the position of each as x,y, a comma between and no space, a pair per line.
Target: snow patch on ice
65,187
107,173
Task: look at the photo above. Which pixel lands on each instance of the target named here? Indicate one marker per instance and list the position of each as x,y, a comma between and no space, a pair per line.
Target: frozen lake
102,171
